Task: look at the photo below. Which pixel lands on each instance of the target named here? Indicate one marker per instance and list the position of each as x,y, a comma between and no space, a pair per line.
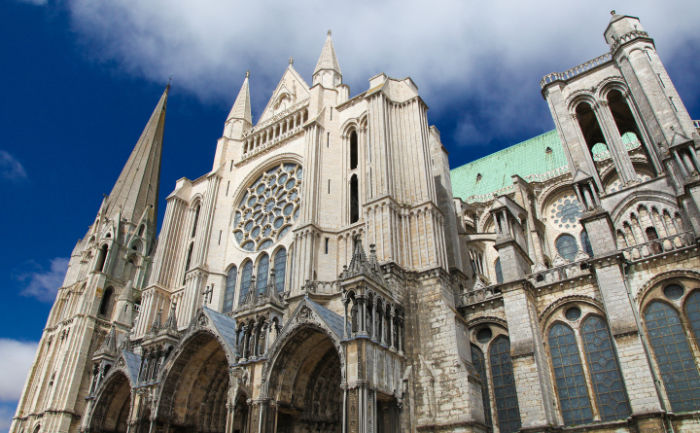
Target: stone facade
331,274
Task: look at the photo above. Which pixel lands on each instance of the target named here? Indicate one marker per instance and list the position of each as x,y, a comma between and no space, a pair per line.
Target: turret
240,119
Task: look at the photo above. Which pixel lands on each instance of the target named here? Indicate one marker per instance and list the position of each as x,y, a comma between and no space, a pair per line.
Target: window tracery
269,207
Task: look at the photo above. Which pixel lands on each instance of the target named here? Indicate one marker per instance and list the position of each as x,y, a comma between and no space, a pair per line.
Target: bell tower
98,302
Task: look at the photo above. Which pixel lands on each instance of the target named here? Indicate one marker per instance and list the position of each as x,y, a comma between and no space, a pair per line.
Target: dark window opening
196,219
354,200
592,132
624,119
141,229
499,271
326,245
106,299
353,150
102,258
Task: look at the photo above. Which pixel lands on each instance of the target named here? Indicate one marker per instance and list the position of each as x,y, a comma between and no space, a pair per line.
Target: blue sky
79,79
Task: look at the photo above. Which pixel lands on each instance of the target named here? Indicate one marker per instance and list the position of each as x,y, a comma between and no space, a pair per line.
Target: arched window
106,300
608,386
568,373
196,220
507,409
261,278
245,280
353,150
102,258
280,268
230,289
499,271
354,200
673,355
566,246
586,243
480,365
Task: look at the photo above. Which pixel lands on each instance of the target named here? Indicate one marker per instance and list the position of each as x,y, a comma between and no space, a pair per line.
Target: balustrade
587,66
658,246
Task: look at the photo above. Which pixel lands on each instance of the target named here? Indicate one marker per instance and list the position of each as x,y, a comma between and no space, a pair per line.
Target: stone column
345,318
392,312
374,319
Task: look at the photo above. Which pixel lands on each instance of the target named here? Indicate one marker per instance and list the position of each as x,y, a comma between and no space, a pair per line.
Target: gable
290,90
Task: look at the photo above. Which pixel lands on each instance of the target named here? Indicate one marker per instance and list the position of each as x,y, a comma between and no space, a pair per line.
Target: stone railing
277,117
658,246
480,295
602,156
510,188
256,297
587,66
560,273
321,287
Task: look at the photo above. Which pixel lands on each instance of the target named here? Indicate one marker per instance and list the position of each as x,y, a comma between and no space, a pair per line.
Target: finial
329,32
247,74
291,61
612,13
170,79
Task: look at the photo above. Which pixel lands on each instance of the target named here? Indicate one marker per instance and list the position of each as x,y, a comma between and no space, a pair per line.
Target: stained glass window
673,356
499,272
568,373
268,208
280,268
480,365
566,246
586,243
261,279
230,289
607,381
507,410
245,280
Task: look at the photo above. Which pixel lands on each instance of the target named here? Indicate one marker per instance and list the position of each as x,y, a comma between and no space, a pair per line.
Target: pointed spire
171,323
241,108
138,184
328,60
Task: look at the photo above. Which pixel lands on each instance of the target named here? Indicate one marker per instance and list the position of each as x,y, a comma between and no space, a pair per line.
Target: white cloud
44,284
457,52
10,168
16,359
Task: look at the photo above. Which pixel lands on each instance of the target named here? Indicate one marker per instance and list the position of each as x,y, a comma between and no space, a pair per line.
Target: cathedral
331,274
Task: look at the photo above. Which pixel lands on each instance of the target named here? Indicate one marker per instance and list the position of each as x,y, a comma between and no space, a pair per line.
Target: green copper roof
476,181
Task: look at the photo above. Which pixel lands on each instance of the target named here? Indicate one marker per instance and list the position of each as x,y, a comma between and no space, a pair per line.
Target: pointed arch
571,387
674,357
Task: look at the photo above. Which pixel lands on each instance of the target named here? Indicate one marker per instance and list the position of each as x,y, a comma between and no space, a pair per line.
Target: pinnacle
241,108
328,59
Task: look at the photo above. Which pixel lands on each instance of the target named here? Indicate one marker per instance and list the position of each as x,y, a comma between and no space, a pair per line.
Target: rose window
566,211
268,208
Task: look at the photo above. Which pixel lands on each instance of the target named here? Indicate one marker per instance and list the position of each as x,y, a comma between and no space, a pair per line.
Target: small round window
573,313
484,335
673,291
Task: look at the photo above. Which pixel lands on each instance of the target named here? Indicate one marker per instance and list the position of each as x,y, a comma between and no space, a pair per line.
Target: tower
97,304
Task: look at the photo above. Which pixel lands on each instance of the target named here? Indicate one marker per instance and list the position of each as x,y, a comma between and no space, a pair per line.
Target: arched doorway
196,388
113,405
305,382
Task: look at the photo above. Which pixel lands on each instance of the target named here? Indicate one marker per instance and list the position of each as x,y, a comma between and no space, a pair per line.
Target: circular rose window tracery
268,208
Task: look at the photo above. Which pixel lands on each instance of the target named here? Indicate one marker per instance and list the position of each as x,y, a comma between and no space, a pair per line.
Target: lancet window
280,268
246,276
672,348
261,279
230,289
491,357
606,399
354,199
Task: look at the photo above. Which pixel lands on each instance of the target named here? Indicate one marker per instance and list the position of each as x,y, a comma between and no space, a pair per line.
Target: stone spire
328,60
138,184
241,108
